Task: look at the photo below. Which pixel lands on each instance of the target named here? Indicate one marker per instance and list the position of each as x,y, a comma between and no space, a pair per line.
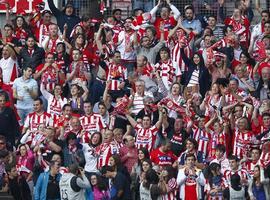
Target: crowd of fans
154,106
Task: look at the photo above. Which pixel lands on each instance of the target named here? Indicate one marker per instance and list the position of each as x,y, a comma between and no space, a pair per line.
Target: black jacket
62,18
204,75
33,61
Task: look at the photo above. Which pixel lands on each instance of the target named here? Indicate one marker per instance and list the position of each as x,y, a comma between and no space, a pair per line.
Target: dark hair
85,102
45,12
221,148
151,177
71,136
9,26
9,167
256,148
148,161
193,141
225,29
106,168
165,142
189,7
166,49
27,67
100,140
40,100
85,18
66,105
4,153
213,16
232,157
3,138
265,114
101,103
267,12
152,29
115,10
201,63
235,182
145,152
75,38
101,184
208,172
189,155
115,52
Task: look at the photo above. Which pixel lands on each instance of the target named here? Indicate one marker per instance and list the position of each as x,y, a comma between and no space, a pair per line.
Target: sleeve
153,14
181,177
250,193
16,126
56,12
176,12
201,179
34,85
101,123
45,93
37,188
198,27
83,183
27,122
158,47
185,58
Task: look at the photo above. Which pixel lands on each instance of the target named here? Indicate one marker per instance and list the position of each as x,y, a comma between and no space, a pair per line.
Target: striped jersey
92,123
34,120
145,137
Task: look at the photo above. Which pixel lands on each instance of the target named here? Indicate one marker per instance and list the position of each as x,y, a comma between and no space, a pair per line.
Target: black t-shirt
53,190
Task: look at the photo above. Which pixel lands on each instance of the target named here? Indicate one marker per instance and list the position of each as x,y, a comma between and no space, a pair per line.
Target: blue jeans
146,5
23,114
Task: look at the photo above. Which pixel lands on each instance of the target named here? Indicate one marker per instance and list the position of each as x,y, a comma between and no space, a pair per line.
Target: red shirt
162,159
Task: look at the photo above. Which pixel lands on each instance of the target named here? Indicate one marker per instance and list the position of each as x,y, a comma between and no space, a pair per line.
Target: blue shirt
194,24
21,86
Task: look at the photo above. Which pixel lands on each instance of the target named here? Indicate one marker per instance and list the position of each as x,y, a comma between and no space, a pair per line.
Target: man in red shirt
163,156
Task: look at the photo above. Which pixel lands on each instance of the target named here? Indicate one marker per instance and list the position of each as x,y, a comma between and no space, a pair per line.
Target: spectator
31,54
100,190
18,186
73,184
36,118
9,65
236,190
259,184
25,90
120,188
190,179
190,22
47,186
9,126
66,16
128,153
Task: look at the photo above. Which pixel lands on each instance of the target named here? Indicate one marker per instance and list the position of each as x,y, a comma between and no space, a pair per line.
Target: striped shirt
145,137
167,72
138,105
241,146
177,60
92,123
34,120
117,74
105,151
194,80
241,172
202,137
